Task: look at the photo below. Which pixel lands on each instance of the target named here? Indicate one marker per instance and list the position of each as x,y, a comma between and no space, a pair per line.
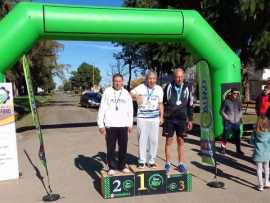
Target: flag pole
42,155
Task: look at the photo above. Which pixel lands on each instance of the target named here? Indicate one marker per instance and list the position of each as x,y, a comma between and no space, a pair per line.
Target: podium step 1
149,180
135,169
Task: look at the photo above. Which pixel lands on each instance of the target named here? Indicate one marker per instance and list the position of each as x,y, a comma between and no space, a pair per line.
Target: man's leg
236,133
153,132
122,146
227,131
111,137
180,128
180,149
142,126
168,144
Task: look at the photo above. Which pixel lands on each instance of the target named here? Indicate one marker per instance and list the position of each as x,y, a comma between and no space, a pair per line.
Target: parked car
90,99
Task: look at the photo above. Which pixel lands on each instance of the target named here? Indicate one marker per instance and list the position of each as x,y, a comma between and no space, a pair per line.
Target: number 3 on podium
181,185
142,183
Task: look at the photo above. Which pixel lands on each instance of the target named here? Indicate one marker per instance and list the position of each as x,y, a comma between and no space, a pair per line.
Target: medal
178,92
117,100
178,103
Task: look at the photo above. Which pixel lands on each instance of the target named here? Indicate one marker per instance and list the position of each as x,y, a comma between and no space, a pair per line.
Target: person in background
262,152
115,120
263,102
232,116
149,97
178,112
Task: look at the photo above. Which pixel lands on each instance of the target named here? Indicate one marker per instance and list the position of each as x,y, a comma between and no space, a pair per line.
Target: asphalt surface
75,151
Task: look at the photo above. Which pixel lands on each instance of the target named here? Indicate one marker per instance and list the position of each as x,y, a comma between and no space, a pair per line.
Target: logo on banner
127,185
155,181
4,95
206,116
6,109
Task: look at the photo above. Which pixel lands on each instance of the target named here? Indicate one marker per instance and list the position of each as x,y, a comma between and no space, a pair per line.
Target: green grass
22,107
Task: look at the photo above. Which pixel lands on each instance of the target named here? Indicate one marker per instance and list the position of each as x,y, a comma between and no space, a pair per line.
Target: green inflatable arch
29,22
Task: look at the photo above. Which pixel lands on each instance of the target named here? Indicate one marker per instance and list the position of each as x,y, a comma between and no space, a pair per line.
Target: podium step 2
118,185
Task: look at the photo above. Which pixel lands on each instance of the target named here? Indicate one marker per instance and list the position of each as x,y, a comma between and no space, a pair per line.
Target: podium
147,181
177,182
119,185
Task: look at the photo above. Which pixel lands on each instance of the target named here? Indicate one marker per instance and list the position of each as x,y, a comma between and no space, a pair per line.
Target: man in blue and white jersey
149,97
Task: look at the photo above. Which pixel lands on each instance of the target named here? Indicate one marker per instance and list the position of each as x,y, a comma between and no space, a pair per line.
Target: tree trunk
129,76
245,81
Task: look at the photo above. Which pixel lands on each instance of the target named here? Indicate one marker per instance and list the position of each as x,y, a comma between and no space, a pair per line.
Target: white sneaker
267,186
126,170
111,172
260,188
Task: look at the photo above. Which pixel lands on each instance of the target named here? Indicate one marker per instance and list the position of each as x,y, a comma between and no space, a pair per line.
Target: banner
8,145
34,111
206,115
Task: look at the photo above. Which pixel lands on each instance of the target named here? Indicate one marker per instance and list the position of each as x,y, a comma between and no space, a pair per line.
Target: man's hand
102,131
129,130
161,121
189,125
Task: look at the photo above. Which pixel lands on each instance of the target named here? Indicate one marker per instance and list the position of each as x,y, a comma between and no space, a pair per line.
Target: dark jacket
175,112
231,111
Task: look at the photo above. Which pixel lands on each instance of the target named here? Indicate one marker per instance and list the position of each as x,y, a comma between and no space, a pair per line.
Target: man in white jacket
115,120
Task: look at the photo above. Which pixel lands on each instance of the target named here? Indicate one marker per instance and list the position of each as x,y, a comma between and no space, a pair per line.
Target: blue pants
234,129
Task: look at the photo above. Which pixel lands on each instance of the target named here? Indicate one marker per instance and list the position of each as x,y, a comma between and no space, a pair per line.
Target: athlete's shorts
169,127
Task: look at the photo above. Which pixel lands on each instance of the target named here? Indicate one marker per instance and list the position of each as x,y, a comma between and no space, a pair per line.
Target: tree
248,20
161,57
85,77
243,24
131,57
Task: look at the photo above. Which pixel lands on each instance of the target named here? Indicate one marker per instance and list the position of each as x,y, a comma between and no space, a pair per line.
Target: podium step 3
174,171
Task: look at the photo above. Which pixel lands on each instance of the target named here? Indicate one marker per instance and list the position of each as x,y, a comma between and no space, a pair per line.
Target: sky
76,52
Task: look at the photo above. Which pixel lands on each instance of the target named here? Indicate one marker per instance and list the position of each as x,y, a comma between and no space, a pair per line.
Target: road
73,143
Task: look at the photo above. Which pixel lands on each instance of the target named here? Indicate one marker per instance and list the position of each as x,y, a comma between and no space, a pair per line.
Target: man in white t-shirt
149,97
115,120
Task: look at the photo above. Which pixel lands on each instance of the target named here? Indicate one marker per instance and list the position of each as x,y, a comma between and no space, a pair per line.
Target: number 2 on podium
142,184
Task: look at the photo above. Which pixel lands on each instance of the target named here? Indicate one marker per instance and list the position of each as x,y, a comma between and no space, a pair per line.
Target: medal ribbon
178,92
117,100
149,94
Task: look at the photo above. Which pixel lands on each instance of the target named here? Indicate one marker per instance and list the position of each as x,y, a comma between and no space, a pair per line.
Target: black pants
120,135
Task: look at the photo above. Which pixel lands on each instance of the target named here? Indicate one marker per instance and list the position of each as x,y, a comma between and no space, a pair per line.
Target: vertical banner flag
34,111
8,145
206,115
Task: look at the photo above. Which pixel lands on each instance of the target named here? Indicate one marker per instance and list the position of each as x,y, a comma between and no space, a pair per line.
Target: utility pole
93,75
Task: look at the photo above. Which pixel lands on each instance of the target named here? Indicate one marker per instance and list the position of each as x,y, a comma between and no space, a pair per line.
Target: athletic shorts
169,127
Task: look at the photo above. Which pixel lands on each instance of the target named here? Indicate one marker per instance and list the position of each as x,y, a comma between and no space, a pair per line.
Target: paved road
71,137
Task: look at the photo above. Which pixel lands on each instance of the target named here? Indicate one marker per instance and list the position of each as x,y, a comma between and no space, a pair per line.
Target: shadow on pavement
95,164
53,126
222,174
